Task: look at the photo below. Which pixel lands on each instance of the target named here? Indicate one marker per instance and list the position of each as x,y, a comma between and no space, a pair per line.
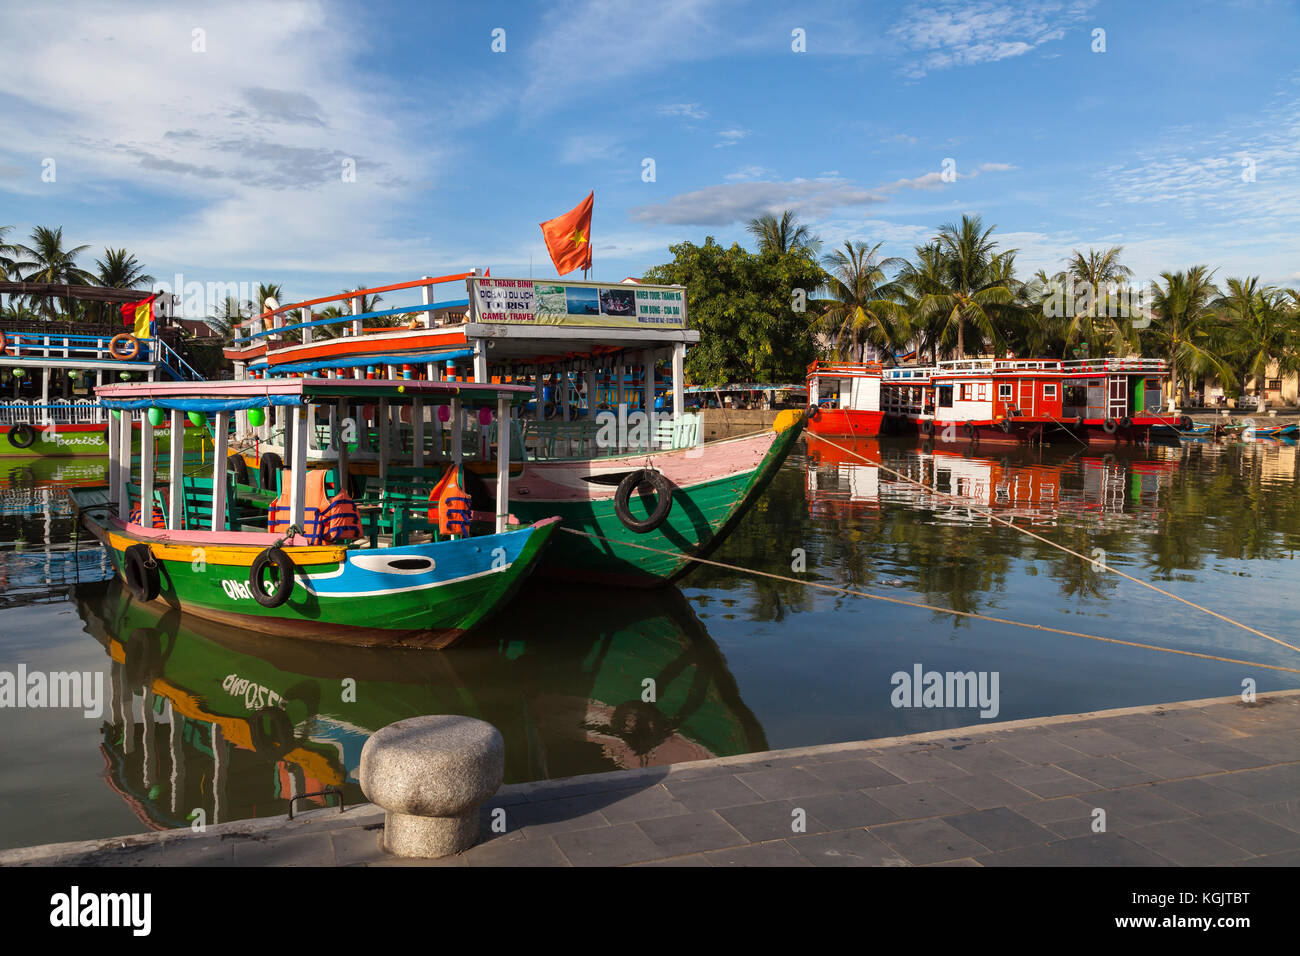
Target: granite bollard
431,775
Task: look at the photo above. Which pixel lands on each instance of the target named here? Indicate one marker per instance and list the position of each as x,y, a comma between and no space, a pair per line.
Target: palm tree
973,278
1096,272
1184,326
920,278
783,235
367,303
1260,330
6,253
45,260
121,270
864,309
227,316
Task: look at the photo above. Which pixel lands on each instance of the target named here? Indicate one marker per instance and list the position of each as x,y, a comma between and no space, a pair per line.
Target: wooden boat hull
341,596
846,423
713,486
88,441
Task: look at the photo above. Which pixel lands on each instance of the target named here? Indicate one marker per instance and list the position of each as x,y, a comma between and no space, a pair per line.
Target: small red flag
568,237
139,316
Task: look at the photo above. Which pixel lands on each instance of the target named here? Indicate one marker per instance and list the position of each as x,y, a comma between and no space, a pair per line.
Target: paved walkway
1195,783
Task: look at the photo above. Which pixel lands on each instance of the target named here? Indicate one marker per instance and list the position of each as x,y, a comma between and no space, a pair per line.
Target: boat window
945,396
983,393
1076,396
1049,391
1004,391
967,391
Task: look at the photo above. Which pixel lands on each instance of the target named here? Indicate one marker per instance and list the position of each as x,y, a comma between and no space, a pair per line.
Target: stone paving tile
692,859
357,845
1284,814
783,783
313,849
547,791
1094,743
1184,843
1167,765
981,758
1265,785
1101,849
1056,809
928,841
642,805
846,848
1276,748
997,829
608,846
1252,833
1290,858
1136,807
985,790
912,801
711,793
1196,725
965,861
1200,795
1108,771
1221,755
1266,714
840,811
858,774
538,852
768,821
1047,781
557,816
1038,748
1147,734
920,767
773,853
691,832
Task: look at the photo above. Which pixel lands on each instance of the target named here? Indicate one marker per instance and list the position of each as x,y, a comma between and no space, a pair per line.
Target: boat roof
238,395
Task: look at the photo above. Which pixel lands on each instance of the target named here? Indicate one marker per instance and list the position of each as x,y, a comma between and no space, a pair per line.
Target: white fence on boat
57,412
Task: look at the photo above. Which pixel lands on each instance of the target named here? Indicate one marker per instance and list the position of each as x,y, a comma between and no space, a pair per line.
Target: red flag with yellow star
568,237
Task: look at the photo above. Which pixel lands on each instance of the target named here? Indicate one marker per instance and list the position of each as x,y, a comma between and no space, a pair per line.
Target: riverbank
1204,782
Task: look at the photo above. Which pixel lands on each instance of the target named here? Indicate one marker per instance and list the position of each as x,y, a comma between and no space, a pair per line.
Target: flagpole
591,255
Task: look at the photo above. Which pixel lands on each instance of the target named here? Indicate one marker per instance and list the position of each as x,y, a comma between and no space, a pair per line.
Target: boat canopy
212,397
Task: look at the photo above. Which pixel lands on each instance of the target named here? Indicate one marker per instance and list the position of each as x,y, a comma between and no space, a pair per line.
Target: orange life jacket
314,505
159,519
449,505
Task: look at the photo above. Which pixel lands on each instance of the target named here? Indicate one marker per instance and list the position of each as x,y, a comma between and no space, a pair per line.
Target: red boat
844,399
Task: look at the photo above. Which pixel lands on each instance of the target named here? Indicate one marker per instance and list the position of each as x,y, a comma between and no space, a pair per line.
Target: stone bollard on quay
431,775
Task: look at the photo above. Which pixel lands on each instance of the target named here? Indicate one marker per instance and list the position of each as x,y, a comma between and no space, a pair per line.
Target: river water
203,722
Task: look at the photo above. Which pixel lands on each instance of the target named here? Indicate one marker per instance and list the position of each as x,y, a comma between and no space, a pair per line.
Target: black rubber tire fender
1125,422
22,435
1006,426
1110,426
927,427
623,496
238,467
814,412
140,571
283,587
267,469
968,429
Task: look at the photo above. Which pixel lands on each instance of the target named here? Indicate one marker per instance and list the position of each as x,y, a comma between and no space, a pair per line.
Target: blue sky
225,163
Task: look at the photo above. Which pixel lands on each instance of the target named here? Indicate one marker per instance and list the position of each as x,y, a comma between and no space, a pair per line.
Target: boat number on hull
237,590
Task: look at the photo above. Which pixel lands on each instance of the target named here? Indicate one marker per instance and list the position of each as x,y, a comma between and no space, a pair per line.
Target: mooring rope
839,589
1060,547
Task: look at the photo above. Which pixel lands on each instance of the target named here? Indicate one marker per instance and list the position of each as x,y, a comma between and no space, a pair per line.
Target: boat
639,491
844,399
312,562
64,427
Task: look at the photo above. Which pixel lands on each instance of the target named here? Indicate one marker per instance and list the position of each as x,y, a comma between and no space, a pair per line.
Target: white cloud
730,137
732,202
692,111
952,34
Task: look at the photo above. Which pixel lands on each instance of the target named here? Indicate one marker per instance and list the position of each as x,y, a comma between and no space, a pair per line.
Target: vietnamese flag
568,237
139,315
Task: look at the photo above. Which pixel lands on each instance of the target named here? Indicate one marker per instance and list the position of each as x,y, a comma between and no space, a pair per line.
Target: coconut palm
1095,279
920,278
1260,330
1184,327
45,260
973,278
783,235
863,310
121,270
226,317
7,252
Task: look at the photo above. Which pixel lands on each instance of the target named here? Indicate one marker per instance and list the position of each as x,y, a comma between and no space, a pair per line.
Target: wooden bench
403,504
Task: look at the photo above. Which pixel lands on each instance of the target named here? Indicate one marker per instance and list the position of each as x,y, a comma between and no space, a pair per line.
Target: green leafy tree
1184,327
783,235
121,270
45,260
972,278
1096,278
863,309
745,307
1260,330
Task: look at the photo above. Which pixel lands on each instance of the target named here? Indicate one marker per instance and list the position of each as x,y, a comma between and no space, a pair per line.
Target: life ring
1125,422
1109,426
127,339
283,587
814,412
1005,425
927,427
141,572
968,429
623,496
267,469
22,436
238,467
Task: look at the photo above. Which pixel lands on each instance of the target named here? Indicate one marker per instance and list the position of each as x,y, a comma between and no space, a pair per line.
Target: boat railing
585,439
987,366
57,412
1147,365
74,348
820,367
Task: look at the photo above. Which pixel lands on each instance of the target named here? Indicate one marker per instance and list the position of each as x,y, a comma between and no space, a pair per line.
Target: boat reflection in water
235,725
1023,484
